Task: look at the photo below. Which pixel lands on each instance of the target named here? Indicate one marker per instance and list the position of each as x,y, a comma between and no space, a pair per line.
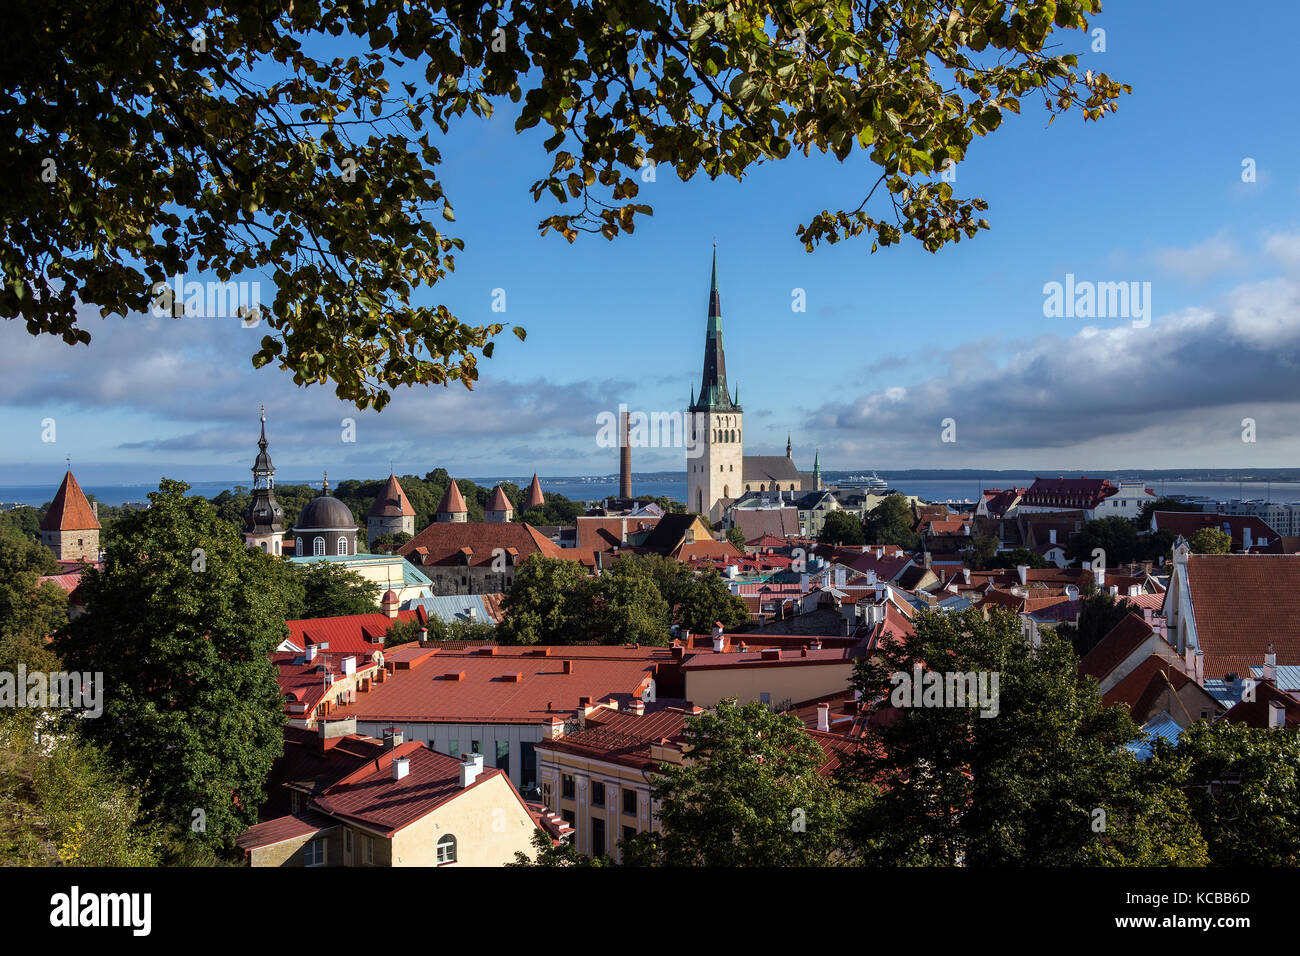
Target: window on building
347,842
597,836
446,849
473,747
597,793
314,853
629,801
266,548
629,833
343,545
318,547
368,850
566,786
569,817
503,755
528,764
453,748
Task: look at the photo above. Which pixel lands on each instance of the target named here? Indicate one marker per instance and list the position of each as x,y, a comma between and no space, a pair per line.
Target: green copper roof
713,387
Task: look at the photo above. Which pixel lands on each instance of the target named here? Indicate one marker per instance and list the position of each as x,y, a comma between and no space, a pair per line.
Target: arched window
266,547
277,547
446,849
343,545
318,546
297,548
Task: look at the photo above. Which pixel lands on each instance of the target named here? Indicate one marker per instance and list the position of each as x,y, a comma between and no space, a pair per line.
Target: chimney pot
401,767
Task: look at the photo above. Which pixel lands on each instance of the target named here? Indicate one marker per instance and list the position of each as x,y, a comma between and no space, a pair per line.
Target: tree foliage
841,527
1243,784
182,621
222,138
750,793
1022,787
890,522
1210,541
322,589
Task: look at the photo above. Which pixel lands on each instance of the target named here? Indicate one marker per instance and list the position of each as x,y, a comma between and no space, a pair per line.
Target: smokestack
625,459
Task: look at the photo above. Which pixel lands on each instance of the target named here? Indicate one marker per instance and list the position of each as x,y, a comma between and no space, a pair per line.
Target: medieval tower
714,452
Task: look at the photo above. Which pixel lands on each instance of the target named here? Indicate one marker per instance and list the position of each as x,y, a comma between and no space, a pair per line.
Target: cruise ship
871,482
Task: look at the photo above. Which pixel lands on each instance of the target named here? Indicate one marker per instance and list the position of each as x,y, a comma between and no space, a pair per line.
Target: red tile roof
1255,713
1146,680
1187,523
478,543
392,502
1241,602
499,501
776,523
70,510
623,738
1086,493
535,498
606,534
453,502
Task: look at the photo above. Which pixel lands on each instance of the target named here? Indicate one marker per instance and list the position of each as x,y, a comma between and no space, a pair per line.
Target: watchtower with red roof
70,528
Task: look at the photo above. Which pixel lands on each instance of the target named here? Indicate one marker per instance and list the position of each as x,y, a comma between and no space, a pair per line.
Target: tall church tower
264,518
715,423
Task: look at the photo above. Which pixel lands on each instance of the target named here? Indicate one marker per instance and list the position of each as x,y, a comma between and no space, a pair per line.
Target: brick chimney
625,460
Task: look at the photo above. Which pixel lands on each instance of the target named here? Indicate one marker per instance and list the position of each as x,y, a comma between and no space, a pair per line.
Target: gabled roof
453,502
70,510
669,532
1147,680
370,795
1255,713
1116,647
766,468
392,502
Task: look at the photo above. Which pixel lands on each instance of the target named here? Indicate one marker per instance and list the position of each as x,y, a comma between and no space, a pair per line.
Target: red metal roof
542,691
371,795
351,633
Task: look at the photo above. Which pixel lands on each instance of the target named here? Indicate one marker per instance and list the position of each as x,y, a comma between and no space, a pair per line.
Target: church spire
713,387
817,470
789,451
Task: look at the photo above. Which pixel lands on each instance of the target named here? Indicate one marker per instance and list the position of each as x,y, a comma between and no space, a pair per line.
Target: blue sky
890,345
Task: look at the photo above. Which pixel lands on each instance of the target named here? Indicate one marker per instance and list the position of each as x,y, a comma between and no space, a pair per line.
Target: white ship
871,482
